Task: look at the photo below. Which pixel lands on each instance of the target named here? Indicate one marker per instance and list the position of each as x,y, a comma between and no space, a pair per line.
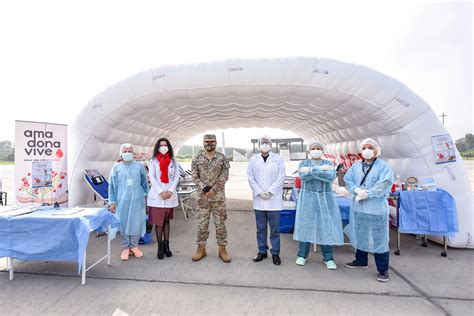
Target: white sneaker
301,261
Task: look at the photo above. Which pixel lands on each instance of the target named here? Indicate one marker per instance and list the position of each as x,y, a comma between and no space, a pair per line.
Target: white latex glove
357,190
327,168
264,195
305,169
362,195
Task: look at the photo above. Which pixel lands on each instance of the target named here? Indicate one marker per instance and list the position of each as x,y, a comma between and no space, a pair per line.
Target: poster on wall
443,148
40,164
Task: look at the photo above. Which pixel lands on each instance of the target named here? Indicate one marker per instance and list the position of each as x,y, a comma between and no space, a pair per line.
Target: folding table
54,234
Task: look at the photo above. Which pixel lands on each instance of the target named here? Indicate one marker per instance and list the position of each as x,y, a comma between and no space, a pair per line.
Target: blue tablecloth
427,212
43,236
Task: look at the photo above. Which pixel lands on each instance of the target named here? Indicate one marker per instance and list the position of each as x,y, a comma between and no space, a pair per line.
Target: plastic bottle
398,183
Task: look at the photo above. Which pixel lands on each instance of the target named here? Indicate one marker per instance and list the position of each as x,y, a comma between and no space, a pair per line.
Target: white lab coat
154,199
267,176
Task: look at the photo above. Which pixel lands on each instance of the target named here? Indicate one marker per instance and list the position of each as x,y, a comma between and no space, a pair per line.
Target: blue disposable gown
368,228
128,186
318,218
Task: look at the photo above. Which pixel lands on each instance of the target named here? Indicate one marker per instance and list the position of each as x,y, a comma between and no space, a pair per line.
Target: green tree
6,149
469,141
461,144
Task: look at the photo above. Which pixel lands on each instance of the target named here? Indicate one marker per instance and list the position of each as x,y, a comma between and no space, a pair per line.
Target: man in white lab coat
266,175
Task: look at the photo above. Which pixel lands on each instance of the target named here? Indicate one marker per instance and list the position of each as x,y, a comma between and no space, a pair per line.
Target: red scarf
164,161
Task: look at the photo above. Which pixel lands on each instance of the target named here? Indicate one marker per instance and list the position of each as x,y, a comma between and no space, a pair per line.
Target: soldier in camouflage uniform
210,171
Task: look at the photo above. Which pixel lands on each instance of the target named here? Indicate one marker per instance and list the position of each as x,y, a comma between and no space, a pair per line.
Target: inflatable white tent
339,103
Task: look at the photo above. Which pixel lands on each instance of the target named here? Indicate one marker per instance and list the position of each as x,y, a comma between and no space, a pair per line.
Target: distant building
288,148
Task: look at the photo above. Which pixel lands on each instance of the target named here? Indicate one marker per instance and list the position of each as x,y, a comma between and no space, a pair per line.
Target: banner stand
40,164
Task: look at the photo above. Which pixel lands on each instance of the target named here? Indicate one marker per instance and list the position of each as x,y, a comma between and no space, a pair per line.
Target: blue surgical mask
127,157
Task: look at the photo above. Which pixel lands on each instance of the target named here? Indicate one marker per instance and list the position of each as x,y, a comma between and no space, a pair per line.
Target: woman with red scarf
162,198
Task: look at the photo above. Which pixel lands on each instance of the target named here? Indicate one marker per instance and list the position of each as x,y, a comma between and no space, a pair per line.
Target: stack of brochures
16,211
69,211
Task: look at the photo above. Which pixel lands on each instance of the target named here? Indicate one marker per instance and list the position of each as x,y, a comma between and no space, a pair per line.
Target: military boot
200,253
223,254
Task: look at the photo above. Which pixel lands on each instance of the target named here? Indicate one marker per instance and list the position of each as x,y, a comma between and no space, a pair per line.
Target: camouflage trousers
219,214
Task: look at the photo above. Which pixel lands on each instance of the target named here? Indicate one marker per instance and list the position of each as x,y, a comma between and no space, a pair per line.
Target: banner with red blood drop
40,164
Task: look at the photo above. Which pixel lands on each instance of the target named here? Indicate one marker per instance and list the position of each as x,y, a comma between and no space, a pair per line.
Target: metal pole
443,115
397,201
398,240
108,244
223,143
10,267
445,247
84,269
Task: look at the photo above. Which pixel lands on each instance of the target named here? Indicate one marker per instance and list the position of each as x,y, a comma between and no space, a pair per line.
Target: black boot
167,248
161,251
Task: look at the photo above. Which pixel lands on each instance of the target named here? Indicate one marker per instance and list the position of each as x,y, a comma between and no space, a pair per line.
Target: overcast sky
56,55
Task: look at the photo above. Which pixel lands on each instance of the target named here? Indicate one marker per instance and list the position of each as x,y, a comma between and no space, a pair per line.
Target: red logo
59,153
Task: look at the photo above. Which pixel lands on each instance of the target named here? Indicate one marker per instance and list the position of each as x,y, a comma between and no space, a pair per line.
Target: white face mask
315,153
163,149
367,153
264,148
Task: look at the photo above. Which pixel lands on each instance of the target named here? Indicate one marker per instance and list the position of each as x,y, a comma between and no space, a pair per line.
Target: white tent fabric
339,103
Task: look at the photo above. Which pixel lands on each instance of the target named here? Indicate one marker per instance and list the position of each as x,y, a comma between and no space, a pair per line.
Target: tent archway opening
337,102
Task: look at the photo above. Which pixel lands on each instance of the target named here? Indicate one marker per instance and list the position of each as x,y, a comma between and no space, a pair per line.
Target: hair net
372,142
265,137
317,143
126,145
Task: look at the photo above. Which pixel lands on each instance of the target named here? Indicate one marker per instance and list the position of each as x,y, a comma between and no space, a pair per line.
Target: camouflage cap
209,137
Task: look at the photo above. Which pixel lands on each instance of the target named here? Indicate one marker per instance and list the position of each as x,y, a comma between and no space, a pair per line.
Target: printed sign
443,148
40,163
41,175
